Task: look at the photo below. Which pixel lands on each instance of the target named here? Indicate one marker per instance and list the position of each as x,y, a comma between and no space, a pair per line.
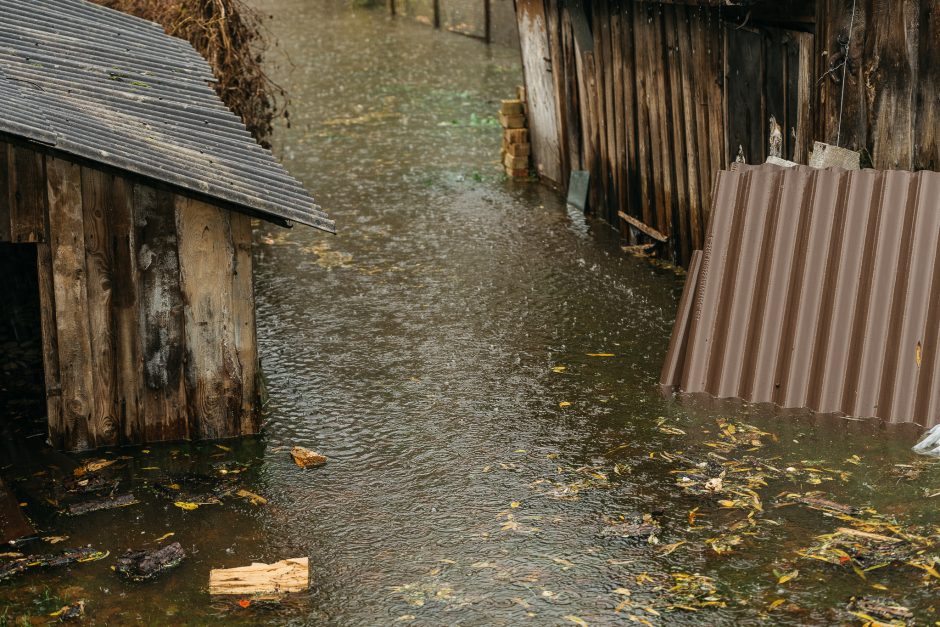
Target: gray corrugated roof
117,90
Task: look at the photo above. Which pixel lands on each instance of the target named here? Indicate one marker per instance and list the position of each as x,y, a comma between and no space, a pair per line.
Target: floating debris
123,500
143,565
66,557
72,611
290,575
880,610
306,458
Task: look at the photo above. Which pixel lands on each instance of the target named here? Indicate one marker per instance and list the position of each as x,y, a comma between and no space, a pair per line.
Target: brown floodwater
485,462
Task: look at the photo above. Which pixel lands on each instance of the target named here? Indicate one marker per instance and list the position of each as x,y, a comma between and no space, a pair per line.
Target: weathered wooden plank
50,347
708,129
213,372
631,193
601,98
644,85
559,66
28,196
805,95
125,311
678,170
291,575
99,262
162,395
744,89
927,104
66,237
572,99
243,315
691,121
5,191
619,154
660,121
530,15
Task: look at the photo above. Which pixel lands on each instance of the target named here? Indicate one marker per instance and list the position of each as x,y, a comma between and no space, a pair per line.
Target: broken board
290,575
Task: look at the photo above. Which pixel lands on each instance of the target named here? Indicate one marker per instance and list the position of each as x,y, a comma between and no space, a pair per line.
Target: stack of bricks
516,148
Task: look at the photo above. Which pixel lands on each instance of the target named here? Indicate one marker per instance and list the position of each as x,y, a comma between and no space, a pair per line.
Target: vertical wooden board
707,134
28,196
559,79
5,198
843,117
162,408
678,165
530,15
628,79
601,94
715,37
207,265
689,111
644,123
99,263
50,347
927,101
660,121
805,98
243,314
617,114
775,101
125,311
66,238
572,146
745,89
892,69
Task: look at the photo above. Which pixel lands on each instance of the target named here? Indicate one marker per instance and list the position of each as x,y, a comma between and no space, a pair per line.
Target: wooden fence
653,98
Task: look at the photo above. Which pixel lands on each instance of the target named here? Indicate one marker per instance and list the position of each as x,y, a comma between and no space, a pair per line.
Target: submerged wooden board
290,575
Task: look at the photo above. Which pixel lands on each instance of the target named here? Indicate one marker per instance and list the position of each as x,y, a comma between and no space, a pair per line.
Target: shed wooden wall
147,304
653,98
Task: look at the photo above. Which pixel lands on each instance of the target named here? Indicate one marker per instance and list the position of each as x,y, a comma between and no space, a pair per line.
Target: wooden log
99,262
291,575
511,107
50,346
213,371
645,229
27,195
66,236
243,314
162,345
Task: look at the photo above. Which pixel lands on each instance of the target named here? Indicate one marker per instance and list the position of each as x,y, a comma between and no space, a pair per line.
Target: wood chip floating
816,289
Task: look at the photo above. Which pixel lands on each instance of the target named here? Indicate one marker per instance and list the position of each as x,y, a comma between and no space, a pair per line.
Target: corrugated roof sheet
817,289
115,89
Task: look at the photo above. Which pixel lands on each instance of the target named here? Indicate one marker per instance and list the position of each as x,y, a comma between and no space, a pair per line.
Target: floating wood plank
647,230
291,575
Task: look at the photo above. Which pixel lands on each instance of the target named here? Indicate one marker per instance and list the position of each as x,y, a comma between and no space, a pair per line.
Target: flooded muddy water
480,365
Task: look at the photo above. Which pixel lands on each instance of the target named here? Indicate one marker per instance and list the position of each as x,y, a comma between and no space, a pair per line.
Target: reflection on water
480,365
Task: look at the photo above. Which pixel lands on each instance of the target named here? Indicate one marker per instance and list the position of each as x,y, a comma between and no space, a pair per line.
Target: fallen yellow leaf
788,576
577,621
186,505
601,355
564,404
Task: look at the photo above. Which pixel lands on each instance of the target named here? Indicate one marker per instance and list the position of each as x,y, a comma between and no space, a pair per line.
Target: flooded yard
480,365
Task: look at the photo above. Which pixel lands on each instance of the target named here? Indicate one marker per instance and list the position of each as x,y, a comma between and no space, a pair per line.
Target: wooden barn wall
653,98
147,304
891,106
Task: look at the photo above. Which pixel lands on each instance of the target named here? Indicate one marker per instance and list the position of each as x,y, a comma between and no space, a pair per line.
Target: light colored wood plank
213,371
50,346
290,575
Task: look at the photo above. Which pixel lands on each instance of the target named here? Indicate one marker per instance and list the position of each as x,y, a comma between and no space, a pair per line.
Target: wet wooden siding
147,304
653,98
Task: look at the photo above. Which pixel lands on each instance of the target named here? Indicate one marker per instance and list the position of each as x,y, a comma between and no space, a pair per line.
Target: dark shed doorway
22,387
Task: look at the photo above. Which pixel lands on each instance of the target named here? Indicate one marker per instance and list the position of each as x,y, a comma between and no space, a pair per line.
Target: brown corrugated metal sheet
817,289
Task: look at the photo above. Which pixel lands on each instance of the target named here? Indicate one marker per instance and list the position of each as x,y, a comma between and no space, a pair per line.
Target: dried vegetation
232,38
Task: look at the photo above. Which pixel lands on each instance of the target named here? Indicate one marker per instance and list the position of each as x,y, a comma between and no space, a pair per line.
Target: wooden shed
653,97
132,187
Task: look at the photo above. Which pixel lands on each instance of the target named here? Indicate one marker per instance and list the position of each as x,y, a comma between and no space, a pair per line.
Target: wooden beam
647,230
243,319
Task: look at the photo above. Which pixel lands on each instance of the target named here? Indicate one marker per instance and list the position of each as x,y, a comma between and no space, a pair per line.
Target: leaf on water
601,355
623,591
669,548
559,369
564,404
165,536
186,505
789,576
565,563
222,447
255,499
775,605
55,539
577,621
515,504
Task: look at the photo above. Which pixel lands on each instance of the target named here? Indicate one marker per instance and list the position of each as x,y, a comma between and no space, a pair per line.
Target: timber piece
515,163
572,144
628,109
290,575
305,458
143,565
161,393
511,107
678,170
512,121
97,213
27,196
125,312
926,103
805,95
96,505
519,173
212,369
5,191
50,347
519,150
892,71
601,14
243,320
644,164
643,228
559,70
693,209
618,154
67,244
661,108
516,135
